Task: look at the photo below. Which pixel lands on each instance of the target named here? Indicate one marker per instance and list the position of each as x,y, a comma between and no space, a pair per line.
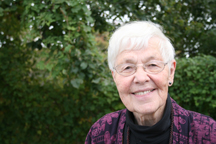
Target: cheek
122,83
162,82
123,86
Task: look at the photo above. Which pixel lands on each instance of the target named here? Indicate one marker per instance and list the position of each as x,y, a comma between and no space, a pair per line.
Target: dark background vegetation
54,78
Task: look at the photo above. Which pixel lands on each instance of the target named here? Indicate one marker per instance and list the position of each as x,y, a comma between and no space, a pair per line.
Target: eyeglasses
152,67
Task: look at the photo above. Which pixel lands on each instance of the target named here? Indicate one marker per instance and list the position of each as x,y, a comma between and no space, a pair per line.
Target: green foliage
54,81
54,78
195,83
189,24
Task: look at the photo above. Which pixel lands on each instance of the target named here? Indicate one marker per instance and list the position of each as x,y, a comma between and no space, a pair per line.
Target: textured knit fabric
189,128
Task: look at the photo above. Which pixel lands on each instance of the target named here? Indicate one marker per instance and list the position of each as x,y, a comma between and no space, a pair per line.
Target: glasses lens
126,69
154,66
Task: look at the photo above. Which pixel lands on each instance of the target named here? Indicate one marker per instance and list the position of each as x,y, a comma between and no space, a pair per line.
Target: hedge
195,84
35,113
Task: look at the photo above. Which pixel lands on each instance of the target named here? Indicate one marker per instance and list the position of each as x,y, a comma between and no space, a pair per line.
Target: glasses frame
143,65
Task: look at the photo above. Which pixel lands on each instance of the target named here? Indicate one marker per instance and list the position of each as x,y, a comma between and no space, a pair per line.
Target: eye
125,68
128,67
152,65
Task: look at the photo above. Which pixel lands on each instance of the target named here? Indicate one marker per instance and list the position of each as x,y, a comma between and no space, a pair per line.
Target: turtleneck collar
158,133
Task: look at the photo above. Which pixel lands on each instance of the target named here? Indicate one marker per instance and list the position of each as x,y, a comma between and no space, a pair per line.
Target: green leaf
96,80
76,8
40,65
76,83
39,132
1,11
67,48
84,65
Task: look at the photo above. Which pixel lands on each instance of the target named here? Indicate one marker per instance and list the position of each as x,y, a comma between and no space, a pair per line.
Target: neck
150,119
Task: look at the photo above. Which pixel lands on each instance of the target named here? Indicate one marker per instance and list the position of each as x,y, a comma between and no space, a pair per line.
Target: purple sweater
189,128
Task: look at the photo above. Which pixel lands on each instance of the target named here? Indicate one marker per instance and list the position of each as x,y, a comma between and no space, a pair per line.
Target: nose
141,76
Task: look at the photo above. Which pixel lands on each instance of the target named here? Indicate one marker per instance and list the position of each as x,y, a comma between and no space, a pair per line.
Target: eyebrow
131,60
146,60
151,58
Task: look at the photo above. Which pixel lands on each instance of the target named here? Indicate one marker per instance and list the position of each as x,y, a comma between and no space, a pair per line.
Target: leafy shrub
194,85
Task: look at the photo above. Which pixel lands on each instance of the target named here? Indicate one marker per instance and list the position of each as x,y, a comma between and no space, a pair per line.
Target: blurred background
54,78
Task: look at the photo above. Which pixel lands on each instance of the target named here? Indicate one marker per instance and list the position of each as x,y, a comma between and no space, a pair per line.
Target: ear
113,75
172,71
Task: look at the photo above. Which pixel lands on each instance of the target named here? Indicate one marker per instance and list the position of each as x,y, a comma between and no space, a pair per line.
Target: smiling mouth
143,92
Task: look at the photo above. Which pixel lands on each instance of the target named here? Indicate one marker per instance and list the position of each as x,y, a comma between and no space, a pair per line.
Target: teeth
142,93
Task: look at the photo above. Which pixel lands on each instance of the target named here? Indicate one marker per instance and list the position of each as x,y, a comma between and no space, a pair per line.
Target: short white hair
135,36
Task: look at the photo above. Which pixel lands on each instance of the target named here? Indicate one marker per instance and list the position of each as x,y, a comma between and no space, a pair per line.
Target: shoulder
107,127
192,126
202,128
191,116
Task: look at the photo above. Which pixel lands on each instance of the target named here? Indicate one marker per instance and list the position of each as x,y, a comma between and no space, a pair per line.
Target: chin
147,109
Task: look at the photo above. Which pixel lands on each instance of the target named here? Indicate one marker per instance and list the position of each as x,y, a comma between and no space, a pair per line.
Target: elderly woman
141,59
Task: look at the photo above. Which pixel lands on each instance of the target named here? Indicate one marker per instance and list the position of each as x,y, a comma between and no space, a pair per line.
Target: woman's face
141,92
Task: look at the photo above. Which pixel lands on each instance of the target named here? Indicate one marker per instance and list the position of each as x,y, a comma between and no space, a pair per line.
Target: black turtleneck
156,134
